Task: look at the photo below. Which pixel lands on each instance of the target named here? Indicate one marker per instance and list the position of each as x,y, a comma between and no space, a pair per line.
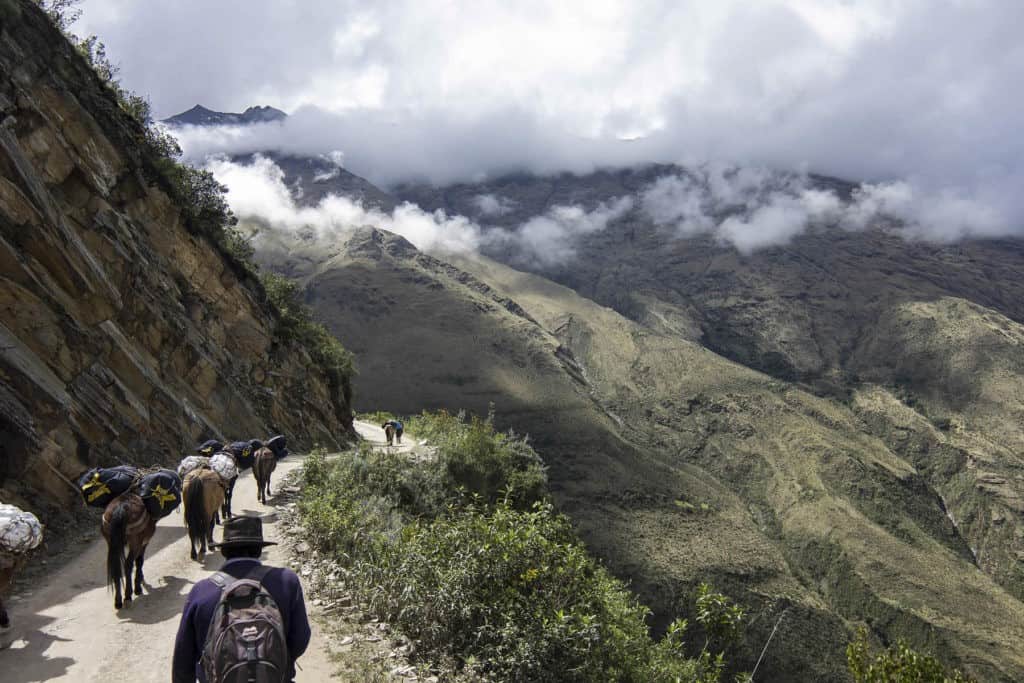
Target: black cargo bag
243,452
100,485
210,447
161,492
256,444
278,444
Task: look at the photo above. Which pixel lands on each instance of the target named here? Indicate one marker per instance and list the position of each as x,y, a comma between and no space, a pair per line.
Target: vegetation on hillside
464,553
895,664
205,209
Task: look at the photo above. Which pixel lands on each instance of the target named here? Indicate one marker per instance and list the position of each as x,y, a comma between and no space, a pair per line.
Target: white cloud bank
924,93
257,192
747,208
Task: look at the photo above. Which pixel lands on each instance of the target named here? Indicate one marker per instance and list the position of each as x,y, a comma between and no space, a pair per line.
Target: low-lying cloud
257,192
747,208
755,208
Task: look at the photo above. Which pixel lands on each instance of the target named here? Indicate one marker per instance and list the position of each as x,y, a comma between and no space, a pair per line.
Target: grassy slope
961,367
804,511
854,521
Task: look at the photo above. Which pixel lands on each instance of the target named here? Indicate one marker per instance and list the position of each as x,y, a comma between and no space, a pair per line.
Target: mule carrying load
100,485
160,492
20,532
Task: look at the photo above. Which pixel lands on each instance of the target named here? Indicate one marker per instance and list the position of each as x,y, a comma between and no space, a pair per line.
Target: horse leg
5,620
129,566
138,571
268,484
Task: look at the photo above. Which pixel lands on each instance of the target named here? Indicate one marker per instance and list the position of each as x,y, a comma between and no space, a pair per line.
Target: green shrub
295,323
896,664
498,584
475,457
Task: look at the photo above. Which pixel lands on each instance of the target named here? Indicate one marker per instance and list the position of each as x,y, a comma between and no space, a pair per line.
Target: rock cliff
123,336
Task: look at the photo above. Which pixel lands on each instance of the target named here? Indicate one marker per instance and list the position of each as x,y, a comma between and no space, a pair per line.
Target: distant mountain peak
201,116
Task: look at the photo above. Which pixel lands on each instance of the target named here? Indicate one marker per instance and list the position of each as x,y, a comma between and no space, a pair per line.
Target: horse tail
195,509
116,542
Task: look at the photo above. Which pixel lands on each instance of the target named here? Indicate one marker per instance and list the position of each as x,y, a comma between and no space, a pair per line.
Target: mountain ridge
201,116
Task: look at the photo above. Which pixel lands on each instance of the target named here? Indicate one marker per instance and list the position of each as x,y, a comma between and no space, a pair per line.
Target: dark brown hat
243,530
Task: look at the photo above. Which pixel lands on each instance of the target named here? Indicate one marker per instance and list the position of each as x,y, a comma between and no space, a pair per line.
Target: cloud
750,208
550,239
755,208
492,205
257,193
923,92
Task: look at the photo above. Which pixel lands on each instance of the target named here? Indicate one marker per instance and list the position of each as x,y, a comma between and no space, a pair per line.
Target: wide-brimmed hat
243,530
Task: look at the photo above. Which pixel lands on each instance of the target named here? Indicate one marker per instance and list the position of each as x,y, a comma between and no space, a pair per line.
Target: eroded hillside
843,313
123,335
676,464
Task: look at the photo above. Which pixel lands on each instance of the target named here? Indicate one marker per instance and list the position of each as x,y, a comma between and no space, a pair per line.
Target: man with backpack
247,622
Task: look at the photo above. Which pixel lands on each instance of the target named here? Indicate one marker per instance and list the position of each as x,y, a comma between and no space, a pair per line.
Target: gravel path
66,629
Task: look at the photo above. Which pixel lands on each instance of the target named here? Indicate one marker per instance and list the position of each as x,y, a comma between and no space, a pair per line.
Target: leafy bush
499,584
295,323
481,460
895,664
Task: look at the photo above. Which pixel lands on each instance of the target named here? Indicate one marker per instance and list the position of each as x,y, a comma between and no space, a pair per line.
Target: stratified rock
123,336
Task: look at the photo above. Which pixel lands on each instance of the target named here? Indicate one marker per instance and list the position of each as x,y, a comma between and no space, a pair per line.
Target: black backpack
246,641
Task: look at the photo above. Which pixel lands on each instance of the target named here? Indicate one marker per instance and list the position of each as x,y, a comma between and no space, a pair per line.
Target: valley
747,376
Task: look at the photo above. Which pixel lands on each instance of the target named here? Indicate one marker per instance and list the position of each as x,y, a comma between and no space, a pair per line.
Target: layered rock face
123,337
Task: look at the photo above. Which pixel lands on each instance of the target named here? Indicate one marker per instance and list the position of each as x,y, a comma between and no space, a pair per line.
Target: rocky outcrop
123,336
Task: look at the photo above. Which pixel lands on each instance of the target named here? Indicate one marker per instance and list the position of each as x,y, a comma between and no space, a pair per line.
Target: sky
920,97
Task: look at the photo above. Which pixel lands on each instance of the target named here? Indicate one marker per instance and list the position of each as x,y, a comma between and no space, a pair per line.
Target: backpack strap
222,579
258,573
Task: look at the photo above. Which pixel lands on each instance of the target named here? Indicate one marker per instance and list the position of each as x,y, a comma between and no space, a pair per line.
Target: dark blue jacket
282,584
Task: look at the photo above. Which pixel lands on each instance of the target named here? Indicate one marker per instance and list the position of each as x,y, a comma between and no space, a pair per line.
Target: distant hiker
393,428
260,612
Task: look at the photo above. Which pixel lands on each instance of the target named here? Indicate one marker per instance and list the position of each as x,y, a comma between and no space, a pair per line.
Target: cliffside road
67,630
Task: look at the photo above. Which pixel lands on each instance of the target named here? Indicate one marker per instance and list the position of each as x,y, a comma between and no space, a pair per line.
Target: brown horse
9,566
202,495
264,464
128,528
389,432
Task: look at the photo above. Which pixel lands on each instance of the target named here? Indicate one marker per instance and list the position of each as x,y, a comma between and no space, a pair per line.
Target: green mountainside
676,464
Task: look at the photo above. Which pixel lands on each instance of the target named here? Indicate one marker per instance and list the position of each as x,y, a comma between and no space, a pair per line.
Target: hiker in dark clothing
398,427
242,546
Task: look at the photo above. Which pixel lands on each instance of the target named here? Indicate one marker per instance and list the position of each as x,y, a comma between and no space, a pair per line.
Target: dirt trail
67,630
374,434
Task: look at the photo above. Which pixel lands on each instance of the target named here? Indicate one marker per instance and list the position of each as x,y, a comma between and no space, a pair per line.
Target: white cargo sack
224,464
20,531
192,462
